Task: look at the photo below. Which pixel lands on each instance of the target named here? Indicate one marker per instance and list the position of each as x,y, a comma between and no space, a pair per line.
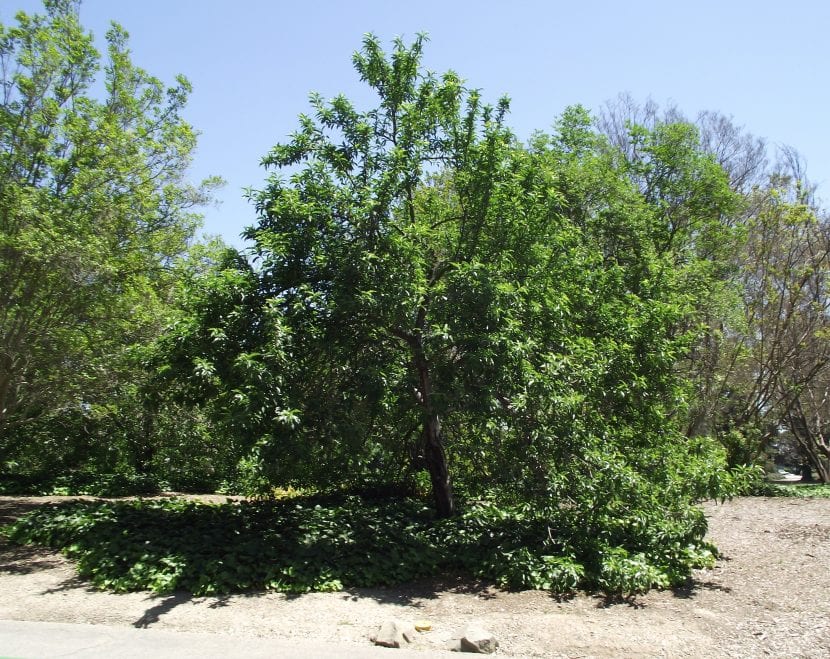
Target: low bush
802,490
318,543
81,482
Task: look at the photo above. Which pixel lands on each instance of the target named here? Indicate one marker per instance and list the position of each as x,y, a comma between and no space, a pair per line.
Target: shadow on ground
15,559
691,589
163,606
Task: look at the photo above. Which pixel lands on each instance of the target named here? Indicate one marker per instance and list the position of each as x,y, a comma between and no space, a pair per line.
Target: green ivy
324,543
806,491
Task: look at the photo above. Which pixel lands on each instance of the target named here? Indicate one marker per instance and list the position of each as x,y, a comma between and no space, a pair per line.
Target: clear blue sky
253,62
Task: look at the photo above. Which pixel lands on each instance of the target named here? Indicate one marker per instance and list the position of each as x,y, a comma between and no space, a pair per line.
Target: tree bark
813,444
434,454
436,461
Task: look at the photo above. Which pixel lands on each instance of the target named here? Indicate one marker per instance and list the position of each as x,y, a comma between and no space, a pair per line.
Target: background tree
222,360
94,208
742,155
760,363
780,359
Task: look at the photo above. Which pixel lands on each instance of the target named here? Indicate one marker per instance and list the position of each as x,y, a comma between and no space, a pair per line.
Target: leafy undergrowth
801,490
316,544
79,483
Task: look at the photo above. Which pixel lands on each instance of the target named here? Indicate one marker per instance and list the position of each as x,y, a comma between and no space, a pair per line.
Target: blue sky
253,62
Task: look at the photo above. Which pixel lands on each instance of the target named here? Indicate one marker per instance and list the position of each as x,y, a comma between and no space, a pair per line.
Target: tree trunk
436,461
822,466
144,449
815,445
434,454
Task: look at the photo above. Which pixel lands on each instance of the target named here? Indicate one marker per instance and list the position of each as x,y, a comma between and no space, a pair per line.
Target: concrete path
36,640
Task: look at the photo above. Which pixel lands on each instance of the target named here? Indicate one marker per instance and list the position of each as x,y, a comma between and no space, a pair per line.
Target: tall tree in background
93,209
780,358
760,365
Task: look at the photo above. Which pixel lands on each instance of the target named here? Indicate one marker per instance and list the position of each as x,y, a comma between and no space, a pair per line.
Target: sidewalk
36,640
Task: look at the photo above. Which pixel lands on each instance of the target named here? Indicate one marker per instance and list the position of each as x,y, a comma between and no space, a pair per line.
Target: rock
454,645
477,639
394,634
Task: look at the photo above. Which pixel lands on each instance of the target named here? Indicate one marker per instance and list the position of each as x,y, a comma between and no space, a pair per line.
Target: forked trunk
823,468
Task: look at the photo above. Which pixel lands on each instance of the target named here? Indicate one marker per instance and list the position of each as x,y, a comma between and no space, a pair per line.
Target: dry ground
768,596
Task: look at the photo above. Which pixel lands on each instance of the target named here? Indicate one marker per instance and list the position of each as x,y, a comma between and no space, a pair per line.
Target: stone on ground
475,638
394,634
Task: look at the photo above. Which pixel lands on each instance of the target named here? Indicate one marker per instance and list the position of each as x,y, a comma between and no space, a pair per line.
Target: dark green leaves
313,544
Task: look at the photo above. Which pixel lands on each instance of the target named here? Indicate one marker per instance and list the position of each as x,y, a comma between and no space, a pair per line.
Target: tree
760,365
429,292
780,357
221,360
426,299
742,155
94,208
375,232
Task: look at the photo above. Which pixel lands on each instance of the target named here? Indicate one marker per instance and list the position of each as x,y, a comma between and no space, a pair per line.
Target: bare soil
769,595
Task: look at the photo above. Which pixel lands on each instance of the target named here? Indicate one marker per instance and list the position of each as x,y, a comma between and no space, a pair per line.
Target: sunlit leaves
94,209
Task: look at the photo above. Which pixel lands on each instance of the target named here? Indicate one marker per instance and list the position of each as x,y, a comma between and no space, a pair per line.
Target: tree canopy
94,209
444,298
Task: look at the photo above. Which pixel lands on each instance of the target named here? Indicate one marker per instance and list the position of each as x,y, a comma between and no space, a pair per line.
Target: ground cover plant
798,490
302,544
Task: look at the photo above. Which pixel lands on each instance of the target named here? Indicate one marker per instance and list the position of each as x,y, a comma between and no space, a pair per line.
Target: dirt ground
768,596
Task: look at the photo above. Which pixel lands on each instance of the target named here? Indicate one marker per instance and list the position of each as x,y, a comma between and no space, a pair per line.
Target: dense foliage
430,294
760,365
94,212
301,544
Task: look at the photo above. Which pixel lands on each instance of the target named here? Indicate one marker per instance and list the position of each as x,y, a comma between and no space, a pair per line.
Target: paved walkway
36,640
